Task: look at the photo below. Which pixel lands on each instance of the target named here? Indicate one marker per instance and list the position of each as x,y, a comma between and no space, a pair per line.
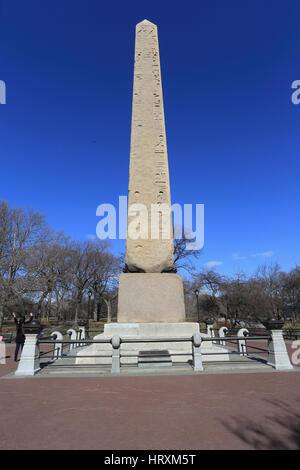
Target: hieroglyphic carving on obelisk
149,172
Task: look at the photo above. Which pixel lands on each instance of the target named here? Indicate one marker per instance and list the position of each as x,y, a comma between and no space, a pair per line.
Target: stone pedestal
180,352
29,363
197,356
278,356
150,297
2,351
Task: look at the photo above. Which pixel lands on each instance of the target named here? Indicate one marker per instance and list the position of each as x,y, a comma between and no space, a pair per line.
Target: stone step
60,368
154,358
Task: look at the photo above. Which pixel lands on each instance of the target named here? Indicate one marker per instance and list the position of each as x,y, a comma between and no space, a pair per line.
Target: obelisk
149,172
150,300
149,291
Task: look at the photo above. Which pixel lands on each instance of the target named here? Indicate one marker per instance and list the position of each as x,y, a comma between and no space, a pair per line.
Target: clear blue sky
233,133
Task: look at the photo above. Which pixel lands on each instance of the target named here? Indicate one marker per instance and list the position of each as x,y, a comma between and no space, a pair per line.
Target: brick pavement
226,411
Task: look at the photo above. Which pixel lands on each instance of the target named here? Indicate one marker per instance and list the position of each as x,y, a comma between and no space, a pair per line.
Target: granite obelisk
148,292
150,300
149,172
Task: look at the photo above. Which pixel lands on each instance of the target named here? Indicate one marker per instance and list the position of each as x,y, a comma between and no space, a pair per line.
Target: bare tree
20,230
82,271
290,292
184,258
209,283
107,268
48,265
269,276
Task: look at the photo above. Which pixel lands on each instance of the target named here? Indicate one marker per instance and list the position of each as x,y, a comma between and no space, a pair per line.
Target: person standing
20,337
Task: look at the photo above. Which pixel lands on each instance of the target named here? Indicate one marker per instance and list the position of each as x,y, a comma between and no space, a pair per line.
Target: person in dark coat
20,337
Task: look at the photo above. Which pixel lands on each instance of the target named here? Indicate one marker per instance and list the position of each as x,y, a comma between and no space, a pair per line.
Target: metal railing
288,333
115,352
240,342
238,345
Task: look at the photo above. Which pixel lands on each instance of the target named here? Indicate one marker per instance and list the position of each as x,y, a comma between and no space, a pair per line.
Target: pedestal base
180,352
278,356
29,363
150,297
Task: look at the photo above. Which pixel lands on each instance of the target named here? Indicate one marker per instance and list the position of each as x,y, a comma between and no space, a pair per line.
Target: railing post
197,356
56,335
30,358
72,335
277,355
242,345
82,334
222,332
210,330
2,351
78,336
54,346
115,358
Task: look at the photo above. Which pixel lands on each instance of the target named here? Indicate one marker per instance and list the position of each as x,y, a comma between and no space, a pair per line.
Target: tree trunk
1,316
109,311
57,305
76,313
48,306
95,309
40,303
108,306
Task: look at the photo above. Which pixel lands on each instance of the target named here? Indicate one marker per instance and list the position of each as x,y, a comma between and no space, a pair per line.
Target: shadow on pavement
279,429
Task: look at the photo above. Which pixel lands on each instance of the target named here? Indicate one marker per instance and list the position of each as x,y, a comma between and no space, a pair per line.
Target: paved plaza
209,411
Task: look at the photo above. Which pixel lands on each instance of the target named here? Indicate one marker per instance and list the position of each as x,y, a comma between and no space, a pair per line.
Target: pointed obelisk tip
145,22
